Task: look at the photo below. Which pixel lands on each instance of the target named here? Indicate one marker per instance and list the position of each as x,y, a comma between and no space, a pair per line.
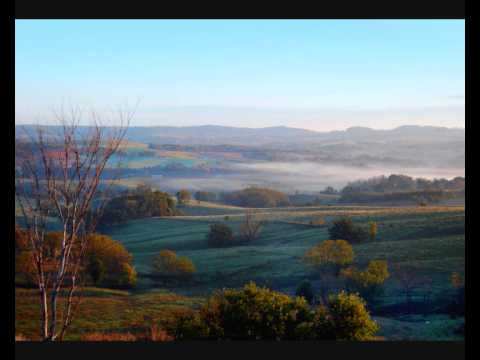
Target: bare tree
251,226
58,177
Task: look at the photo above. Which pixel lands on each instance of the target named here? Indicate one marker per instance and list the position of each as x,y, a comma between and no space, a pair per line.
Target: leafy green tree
328,258
220,235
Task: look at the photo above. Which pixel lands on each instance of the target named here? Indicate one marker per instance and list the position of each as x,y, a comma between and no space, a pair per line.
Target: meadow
429,239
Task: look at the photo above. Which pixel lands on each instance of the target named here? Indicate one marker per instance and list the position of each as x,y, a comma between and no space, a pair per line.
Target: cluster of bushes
221,235
108,263
330,255
256,197
169,266
139,203
345,229
368,282
256,313
105,261
333,258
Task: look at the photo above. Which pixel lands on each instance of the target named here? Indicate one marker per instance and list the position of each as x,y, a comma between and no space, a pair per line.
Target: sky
316,74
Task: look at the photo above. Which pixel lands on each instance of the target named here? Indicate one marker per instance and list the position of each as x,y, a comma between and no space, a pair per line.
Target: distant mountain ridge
215,134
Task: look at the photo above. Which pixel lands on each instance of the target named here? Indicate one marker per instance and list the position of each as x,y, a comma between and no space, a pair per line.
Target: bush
330,254
249,313
349,318
305,290
167,264
220,235
109,263
106,261
344,228
257,313
369,283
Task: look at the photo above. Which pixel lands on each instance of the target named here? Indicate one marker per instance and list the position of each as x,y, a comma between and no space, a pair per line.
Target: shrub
167,264
369,282
219,235
305,290
330,254
257,313
109,263
249,313
251,226
344,228
349,318
106,261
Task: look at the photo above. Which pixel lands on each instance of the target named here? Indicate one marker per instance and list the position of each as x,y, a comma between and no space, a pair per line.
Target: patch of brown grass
20,337
98,336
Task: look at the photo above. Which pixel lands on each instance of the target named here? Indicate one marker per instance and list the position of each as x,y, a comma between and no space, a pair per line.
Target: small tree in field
220,235
328,258
369,282
344,228
57,174
168,265
251,226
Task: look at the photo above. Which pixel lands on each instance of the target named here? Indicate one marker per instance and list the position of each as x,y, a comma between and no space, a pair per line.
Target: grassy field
105,310
430,239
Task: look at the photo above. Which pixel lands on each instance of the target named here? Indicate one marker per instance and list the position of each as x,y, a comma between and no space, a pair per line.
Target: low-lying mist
290,177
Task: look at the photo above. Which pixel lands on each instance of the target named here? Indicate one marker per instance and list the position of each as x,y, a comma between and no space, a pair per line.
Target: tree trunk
53,317
43,313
